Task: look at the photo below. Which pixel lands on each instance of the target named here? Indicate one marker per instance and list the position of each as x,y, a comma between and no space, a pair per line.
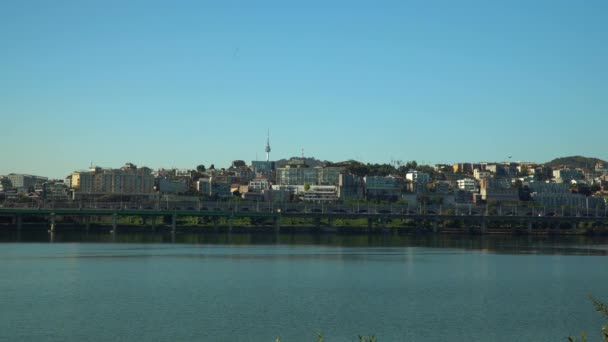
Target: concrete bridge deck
436,221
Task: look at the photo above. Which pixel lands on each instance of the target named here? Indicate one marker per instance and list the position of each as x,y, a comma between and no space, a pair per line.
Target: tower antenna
268,145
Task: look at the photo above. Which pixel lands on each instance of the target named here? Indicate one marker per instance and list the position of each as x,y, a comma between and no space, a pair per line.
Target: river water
257,287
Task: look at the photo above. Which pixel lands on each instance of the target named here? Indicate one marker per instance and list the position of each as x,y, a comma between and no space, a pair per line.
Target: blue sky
180,83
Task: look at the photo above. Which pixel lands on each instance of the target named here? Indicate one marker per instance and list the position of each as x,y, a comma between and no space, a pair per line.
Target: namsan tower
268,146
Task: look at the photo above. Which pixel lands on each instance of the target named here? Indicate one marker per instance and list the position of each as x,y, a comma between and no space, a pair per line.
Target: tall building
466,168
298,173
23,182
263,166
127,180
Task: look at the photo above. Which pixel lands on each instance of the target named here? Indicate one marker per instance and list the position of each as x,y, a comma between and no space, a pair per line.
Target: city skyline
217,166
200,83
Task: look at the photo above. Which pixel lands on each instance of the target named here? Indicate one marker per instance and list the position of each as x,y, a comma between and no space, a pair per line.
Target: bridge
528,220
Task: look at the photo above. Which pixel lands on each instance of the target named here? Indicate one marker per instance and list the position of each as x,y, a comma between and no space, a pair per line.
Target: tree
200,168
524,194
6,183
546,173
212,167
583,189
306,187
411,165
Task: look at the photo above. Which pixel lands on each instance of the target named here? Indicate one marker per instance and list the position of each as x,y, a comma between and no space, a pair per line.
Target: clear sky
180,83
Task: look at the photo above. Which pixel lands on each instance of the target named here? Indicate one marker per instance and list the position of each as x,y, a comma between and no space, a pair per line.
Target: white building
479,174
467,184
182,173
418,177
321,193
259,184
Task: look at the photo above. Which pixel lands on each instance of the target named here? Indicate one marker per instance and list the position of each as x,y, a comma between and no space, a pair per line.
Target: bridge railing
307,207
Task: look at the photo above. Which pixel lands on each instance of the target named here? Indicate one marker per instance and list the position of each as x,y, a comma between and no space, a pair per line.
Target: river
257,287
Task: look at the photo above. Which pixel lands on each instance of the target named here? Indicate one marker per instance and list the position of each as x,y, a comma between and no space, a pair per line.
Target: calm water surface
240,287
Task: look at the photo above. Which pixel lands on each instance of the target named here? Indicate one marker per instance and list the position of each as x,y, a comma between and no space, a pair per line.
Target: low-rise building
567,199
479,174
55,191
172,186
417,176
500,195
466,168
442,187
350,186
467,184
183,173
565,175
258,184
383,187
23,183
498,189
321,193
298,173
548,187
212,187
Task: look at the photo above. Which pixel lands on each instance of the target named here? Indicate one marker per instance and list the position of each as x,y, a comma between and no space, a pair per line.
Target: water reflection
485,244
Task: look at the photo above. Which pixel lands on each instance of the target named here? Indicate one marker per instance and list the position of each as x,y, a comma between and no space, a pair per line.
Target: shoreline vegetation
304,225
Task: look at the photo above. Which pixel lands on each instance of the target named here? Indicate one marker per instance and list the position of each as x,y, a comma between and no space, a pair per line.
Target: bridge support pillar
574,225
435,226
530,225
230,223
173,223
114,223
484,224
277,224
19,222
87,223
53,223
370,224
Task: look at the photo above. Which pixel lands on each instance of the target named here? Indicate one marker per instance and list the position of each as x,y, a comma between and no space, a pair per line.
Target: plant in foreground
603,310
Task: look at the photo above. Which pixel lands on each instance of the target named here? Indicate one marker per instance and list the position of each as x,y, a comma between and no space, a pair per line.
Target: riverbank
303,229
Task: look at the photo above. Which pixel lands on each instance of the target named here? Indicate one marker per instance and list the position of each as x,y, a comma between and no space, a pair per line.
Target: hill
312,162
575,162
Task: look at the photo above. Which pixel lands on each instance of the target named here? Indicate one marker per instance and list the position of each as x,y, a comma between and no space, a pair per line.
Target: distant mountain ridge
570,161
575,162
